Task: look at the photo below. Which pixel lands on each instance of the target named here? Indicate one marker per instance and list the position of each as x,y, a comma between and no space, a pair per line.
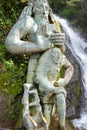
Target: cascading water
78,47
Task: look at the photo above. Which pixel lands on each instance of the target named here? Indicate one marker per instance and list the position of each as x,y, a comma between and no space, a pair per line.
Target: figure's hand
57,38
60,83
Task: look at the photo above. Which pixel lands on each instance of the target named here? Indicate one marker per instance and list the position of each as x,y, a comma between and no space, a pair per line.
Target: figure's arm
13,42
44,84
68,74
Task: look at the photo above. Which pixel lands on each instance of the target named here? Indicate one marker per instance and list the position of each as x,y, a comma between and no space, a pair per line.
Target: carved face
41,8
56,55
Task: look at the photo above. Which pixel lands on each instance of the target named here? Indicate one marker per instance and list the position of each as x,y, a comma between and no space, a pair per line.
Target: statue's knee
60,98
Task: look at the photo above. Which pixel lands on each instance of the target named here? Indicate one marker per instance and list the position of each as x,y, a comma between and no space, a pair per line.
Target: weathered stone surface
3,106
74,89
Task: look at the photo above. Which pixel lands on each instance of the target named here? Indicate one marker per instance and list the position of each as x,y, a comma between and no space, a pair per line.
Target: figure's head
56,55
41,7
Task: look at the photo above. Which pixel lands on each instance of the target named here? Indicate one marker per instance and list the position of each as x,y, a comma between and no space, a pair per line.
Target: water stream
78,47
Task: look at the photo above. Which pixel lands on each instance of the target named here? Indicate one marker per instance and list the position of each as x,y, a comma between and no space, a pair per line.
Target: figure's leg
61,109
47,111
32,67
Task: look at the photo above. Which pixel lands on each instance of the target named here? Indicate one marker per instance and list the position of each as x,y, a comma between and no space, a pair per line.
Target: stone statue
38,21
50,85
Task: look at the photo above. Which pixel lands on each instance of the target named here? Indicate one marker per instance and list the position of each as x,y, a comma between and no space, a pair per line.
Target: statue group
44,87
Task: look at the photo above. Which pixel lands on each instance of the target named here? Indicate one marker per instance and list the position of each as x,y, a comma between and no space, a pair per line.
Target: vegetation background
13,68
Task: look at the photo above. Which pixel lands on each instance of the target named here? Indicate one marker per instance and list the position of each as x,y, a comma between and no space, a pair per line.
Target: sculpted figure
37,21
51,86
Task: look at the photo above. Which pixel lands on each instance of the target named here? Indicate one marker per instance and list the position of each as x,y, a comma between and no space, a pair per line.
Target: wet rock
73,89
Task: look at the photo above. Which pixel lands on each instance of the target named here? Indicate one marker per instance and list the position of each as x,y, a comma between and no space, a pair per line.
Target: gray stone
74,89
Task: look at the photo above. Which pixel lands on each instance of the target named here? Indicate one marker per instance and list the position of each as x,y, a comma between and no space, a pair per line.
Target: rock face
3,107
4,114
73,89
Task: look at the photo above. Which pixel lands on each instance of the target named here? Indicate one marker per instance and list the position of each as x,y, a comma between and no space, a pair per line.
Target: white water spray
78,47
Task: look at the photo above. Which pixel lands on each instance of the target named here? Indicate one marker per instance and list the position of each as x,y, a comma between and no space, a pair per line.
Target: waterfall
78,47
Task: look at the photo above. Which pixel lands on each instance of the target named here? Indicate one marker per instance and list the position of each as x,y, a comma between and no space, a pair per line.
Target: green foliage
57,5
12,77
74,12
70,10
13,71
12,67
9,12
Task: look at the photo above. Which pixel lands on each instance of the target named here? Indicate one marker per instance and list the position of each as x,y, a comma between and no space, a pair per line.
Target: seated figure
51,85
